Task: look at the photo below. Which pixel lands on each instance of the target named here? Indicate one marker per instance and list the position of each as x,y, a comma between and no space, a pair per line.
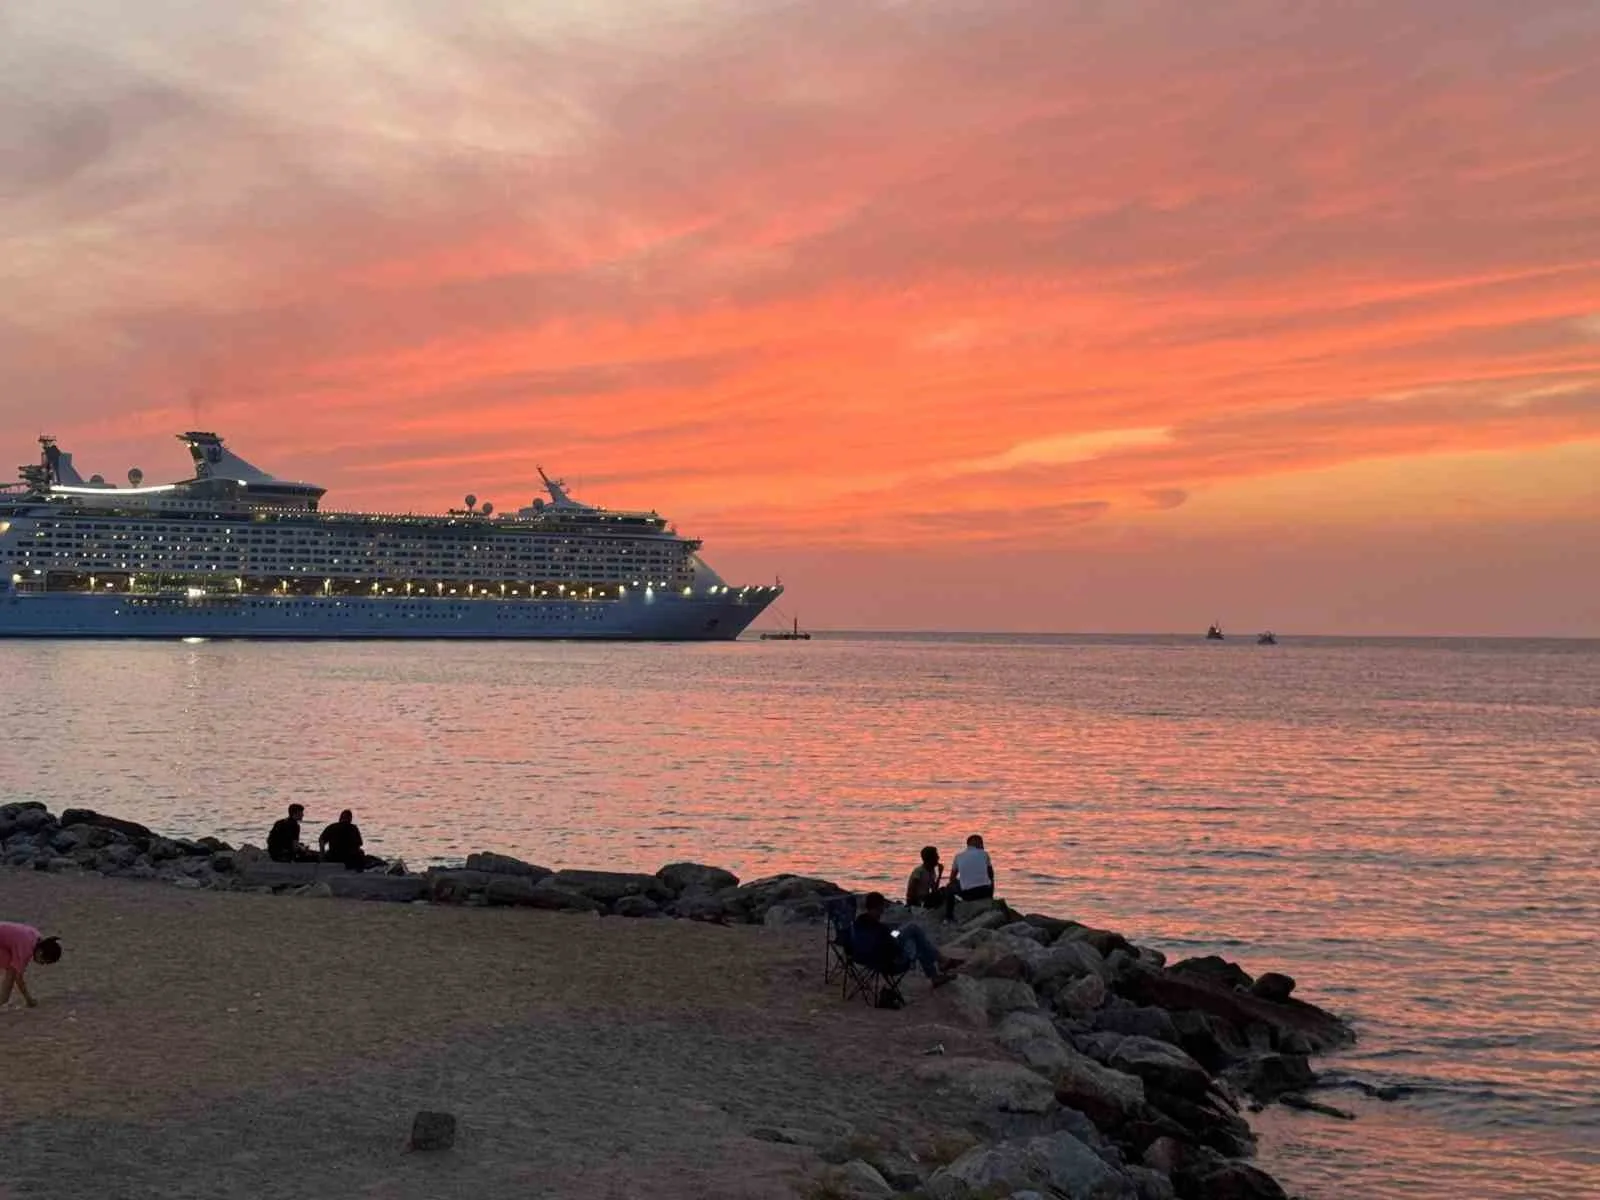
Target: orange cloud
945,280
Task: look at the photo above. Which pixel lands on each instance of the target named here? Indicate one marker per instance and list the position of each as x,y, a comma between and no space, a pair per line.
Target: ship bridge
213,461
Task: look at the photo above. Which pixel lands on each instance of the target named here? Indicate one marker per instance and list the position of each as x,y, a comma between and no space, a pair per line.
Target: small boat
1267,639
1214,634
794,634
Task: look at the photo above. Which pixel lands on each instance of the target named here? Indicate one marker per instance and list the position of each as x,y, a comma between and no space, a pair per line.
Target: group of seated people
972,878
893,950
340,842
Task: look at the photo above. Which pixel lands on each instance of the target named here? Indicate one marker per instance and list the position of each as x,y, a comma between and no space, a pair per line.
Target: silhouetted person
924,889
341,843
283,843
876,945
974,872
21,945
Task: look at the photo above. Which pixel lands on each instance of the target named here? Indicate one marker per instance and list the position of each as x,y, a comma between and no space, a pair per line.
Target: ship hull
637,617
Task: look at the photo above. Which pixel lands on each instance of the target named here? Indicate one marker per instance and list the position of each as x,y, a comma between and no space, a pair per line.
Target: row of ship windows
406,612
179,533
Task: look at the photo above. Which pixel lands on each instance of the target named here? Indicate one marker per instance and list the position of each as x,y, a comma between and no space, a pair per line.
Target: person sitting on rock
283,843
923,889
874,944
341,843
19,946
974,872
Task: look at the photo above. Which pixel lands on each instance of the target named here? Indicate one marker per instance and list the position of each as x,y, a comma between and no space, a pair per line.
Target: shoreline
1086,1062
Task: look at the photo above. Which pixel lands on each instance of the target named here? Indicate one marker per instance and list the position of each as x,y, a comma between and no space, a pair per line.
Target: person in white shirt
973,872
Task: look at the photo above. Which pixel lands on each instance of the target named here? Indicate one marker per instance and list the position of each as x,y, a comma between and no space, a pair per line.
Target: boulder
998,957
1151,1184
802,894
1213,968
1081,997
1063,962
31,820
1209,1120
365,885
117,858
504,864
1098,1046
1104,941
63,841
1267,1076
1161,1065
1032,1037
1147,1022
607,887
1005,1086
683,877
1225,1180
900,1171
969,999
1025,929
857,1180
1107,1097
1273,986
1056,1164
982,914
636,906
87,816
1209,1040
523,892
700,906
1002,996
1173,989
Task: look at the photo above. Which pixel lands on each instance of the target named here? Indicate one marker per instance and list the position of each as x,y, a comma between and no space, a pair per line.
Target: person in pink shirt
19,946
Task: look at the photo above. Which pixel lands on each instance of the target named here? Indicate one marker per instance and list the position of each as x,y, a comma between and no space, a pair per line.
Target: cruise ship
235,552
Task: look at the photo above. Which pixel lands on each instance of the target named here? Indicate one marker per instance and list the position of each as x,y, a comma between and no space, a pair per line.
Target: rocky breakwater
83,840
1125,1077
1091,1067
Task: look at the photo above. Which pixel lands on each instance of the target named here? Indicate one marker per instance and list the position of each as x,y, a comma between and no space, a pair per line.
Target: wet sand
205,1044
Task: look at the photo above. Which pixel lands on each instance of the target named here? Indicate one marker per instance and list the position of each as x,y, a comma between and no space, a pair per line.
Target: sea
1409,827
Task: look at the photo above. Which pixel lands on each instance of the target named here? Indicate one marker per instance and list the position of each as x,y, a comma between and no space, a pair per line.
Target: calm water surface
1408,827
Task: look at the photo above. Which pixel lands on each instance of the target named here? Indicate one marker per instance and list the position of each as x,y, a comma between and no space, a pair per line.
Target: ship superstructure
235,551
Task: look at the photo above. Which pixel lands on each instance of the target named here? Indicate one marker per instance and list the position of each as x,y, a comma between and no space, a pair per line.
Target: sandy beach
209,1044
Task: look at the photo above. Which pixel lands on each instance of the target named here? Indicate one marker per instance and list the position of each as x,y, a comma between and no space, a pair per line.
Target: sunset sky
959,314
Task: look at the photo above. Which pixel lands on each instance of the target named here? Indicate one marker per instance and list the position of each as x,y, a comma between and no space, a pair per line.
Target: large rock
1137,1021
1274,986
1162,1065
607,887
637,906
365,885
1032,1037
1002,996
1082,997
1213,968
1210,1120
680,878
504,864
1209,1040
1056,1164
1225,1180
87,816
522,892
968,999
801,894
1063,962
857,1180
1268,1076
1172,989
1106,1096
31,820
1005,1086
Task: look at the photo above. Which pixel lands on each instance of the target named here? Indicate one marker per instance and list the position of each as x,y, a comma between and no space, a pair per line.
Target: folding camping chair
876,986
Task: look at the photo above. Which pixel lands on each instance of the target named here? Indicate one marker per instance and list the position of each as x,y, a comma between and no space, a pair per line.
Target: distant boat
1267,639
794,634
1214,634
